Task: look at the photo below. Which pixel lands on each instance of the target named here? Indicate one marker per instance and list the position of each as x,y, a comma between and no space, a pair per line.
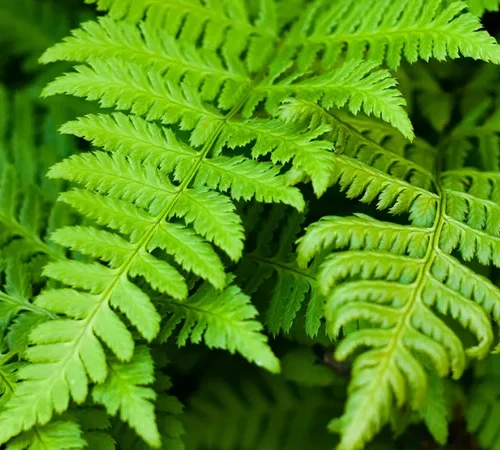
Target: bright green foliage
435,410
59,435
246,176
397,278
123,393
417,29
223,320
480,6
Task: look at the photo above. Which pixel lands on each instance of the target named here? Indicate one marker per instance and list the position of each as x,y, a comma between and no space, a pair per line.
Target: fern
482,412
224,320
268,414
478,7
58,434
201,112
418,29
291,285
139,147
399,278
168,411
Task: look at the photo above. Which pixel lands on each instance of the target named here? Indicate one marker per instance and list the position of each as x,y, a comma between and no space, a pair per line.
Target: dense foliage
249,224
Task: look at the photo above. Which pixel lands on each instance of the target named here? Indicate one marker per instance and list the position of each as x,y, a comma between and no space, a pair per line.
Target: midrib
380,34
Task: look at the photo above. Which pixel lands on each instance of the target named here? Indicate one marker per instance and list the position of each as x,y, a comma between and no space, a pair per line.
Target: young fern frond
399,279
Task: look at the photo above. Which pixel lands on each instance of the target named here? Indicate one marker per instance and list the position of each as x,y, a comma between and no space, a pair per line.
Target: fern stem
282,266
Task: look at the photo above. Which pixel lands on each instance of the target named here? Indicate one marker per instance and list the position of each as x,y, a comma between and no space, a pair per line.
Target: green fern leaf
195,90
416,28
398,278
95,425
124,392
57,435
223,320
479,7
292,285
435,411
258,414
482,406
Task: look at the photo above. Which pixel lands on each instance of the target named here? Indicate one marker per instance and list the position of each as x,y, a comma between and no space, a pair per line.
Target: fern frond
483,403
124,393
57,435
292,285
199,85
478,131
223,320
479,7
396,171
168,412
400,279
387,30
95,425
268,414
